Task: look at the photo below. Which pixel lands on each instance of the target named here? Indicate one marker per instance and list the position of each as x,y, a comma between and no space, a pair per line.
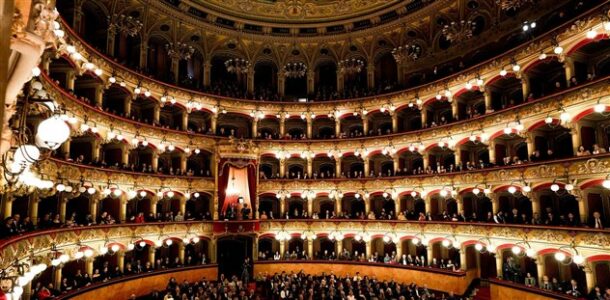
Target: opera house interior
305,149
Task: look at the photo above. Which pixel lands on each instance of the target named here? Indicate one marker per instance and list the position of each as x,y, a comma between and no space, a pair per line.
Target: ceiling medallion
295,70
296,8
512,4
351,66
459,31
407,53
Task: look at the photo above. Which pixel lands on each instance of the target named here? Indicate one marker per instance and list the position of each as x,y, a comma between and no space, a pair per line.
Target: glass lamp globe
560,256
26,155
516,250
478,247
114,248
52,132
554,187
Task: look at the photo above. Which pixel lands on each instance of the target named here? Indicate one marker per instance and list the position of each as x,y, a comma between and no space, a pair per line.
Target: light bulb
130,247
548,120
413,194
196,195
115,247
591,34
79,255
530,252
516,67
560,256
564,117
88,253
415,241
117,192
503,73
60,187
554,187
478,246
558,50
112,79
476,191
527,188
142,194
132,194
195,240
578,259
516,250
512,189
542,56
599,108
142,244
36,71
446,243
103,250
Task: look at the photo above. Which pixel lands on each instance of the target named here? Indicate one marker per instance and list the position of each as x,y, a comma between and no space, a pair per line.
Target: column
99,95
281,82
430,253
282,207
310,249
583,205
155,161
400,73
283,248
213,122
338,166
492,151
254,127
93,200
309,127
525,86
282,126
156,113
495,202
185,121
367,166
181,251
125,154
95,150
534,197
370,72
110,40
65,149
215,206
488,100
57,276
255,249
250,80
153,204
183,205
457,154
282,167
576,139
499,263
33,207
143,51
337,204
70,79
8,205
309,167
365,124
337,127
426,159
424,117
127,105
311,75
89,265
459,200
540,268
455,109
529,140
123,209
120,260
396,159
590,277
398,250
63,202
339,247
212,251
309,207
207,72
369,246
257,200
397,206
175,68
151,255
463,264
568,66
394,122
428,202
367,206
340,81
27,291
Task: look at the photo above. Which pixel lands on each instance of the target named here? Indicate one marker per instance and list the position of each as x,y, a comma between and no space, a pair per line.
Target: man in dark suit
596,221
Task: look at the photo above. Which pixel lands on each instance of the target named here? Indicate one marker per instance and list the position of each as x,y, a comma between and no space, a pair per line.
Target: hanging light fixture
295,70
457,32
351,66
512,4
123,24
180,51
237,65
408,52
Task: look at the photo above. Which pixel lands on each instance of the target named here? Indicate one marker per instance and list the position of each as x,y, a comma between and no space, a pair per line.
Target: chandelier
127,25
512,4
407,53
295,70
32,148
351,66
459,31
180,50
237,65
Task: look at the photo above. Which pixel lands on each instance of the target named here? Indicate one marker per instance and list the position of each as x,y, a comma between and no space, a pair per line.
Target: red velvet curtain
223,178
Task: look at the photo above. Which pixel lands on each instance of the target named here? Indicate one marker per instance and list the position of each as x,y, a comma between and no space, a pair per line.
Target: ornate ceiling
295,11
